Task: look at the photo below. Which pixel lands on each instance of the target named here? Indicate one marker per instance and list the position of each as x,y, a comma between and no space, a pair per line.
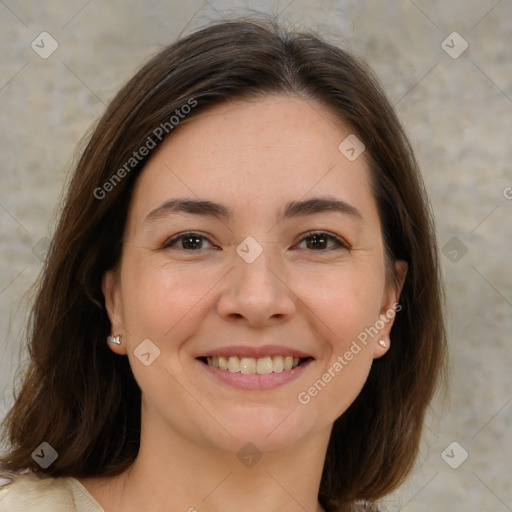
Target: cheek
162,303
345,303
157,297
346,299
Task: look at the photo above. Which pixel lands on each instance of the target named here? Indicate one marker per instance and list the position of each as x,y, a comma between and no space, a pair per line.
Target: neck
173,472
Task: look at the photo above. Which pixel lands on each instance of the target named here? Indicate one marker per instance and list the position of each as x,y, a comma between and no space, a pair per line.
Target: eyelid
169,242
340,240
342,243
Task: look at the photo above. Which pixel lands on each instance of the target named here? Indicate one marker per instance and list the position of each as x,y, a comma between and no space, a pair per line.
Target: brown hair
84,401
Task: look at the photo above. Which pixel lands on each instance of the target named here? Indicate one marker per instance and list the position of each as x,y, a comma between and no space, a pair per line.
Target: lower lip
253,381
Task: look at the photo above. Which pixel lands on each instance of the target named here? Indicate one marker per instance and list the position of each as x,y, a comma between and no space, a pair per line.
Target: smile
251,365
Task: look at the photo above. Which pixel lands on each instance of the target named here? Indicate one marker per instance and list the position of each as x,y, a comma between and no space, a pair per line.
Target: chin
269,429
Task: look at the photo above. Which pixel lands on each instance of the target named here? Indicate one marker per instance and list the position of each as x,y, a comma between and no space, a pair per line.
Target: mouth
253,368
251,365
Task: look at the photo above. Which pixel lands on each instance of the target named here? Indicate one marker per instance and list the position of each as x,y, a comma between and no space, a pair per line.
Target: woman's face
252,242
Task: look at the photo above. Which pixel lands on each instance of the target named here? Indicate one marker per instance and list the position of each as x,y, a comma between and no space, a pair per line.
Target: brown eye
320,240
187,242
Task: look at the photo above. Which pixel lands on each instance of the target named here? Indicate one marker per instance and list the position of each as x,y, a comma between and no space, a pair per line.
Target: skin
254,157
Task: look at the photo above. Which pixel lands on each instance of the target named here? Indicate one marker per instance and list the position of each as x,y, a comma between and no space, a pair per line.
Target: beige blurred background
456,107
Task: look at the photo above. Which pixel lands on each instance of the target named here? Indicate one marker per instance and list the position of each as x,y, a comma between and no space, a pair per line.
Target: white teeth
277,364
264,366
250,365
233,364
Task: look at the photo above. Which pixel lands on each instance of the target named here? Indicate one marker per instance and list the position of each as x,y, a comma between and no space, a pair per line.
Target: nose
257,292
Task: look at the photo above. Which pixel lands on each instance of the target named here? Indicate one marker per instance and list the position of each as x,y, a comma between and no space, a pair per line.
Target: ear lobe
111,292
389,309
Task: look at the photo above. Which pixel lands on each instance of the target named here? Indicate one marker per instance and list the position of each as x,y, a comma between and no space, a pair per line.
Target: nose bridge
257,287
256,267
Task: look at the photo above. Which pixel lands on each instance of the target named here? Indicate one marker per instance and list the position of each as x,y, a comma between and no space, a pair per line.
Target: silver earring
114,339
382,343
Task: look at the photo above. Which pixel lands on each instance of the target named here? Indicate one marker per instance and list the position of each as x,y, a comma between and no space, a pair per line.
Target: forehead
252,154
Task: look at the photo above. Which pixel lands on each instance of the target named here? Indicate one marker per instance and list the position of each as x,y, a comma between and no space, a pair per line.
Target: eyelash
341,243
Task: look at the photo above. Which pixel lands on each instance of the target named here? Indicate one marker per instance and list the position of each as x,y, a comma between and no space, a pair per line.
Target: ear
390,307
110,285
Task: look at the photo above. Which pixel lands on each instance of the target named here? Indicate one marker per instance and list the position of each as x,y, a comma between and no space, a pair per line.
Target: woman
241,307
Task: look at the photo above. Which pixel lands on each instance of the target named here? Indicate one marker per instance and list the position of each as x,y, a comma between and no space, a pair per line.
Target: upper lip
255,352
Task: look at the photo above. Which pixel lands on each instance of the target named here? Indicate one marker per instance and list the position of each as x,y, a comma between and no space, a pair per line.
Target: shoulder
358,506
365,506
31,492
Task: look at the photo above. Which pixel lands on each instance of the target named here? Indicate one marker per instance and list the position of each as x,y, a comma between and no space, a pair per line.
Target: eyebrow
291,210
